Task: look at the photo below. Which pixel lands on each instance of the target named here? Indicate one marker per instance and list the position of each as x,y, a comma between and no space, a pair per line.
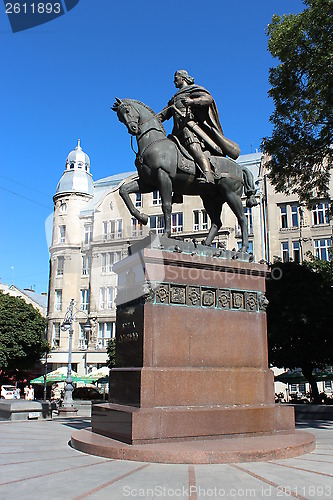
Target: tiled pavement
36,462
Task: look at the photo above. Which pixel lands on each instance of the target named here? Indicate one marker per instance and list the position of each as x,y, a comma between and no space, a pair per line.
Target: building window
88,231
328,385
196,220
294,215
116,229
301,388
156,223
285,251
62,234
136,227
200,220
58,300
56,335
104,262
204,220
105,230
283,214
177,223
112,234
249,219
119,228
108,260
86,265
296,252
106,298
83,341
157,200
322,247
320,214
138,200
105,333
84,306
114,257
60,266
250,250
63,207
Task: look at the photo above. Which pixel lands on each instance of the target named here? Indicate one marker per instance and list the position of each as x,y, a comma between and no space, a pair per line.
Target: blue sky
60,79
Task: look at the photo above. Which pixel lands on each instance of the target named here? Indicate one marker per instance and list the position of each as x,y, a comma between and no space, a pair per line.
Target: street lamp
67,324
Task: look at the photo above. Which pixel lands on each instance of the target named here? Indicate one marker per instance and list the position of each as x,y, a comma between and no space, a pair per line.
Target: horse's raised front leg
133,187
165,188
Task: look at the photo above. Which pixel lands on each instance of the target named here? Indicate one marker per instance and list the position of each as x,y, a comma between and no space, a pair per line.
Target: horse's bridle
139,135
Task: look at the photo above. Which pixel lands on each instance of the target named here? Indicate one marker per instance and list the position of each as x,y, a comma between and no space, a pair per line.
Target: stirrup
207,179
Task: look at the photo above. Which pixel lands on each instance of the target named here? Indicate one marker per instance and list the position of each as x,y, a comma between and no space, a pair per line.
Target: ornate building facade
92,230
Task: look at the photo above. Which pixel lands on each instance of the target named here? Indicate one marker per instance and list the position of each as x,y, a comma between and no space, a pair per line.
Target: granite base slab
212,451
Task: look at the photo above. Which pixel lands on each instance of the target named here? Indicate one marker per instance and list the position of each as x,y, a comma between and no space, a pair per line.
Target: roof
38,298
102,186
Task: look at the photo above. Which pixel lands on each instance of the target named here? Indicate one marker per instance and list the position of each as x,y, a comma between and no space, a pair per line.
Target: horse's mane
148,108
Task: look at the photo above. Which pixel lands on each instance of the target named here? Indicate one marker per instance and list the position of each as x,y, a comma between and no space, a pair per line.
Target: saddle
220,164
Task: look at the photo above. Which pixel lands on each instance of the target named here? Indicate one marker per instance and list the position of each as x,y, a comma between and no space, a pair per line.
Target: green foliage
299,318
22,335
301,88
324,267
111,352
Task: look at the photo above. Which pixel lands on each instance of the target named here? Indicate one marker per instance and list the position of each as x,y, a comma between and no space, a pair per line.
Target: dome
78,159
77,177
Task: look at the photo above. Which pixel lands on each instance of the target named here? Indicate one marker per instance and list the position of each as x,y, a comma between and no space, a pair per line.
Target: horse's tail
249,188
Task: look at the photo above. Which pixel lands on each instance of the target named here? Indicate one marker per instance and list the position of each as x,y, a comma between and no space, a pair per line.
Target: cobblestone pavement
37,462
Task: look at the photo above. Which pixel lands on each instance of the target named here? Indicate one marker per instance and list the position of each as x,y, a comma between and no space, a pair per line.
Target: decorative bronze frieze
224,297
237,299
177,294
162,294
193,296
208,297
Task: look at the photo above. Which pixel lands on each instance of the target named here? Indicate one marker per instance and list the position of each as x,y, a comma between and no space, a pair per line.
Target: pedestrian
26,392
31,393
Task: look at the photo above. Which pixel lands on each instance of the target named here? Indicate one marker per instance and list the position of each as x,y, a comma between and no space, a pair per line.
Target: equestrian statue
196,159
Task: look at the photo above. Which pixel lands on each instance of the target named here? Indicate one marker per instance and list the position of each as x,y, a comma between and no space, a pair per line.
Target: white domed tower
77,177
69,255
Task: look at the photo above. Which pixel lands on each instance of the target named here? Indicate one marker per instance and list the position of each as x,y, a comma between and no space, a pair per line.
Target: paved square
36,462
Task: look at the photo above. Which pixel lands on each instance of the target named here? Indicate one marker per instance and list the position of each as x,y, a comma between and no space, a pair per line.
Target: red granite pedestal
192,369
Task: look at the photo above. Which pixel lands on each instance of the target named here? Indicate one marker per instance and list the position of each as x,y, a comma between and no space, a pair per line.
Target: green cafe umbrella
297,377
60,375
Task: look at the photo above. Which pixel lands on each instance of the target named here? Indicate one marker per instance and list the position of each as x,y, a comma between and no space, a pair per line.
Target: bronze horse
158,160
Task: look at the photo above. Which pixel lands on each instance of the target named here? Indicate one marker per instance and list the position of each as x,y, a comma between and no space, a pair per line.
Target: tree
299,320
324,267
22,335
300,148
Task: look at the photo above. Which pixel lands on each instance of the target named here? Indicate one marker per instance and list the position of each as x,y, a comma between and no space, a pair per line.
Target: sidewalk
36,462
